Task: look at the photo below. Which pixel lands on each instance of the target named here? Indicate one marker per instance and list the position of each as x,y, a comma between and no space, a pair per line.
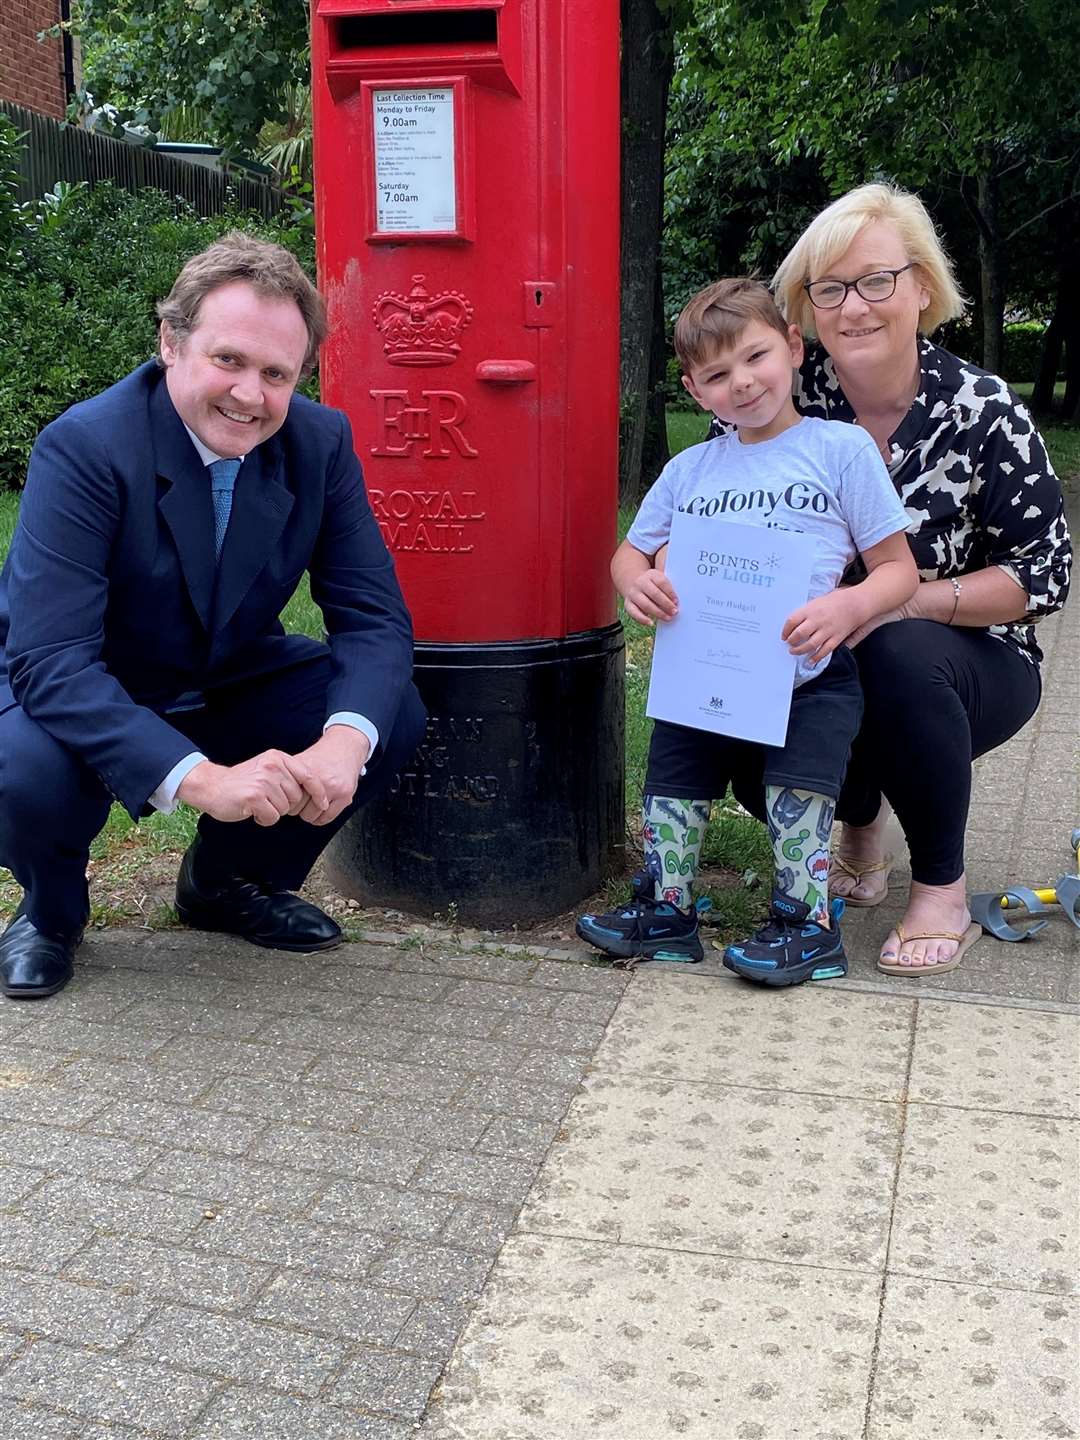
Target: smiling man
164,526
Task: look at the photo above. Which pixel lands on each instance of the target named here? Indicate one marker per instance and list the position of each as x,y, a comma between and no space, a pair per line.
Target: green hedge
80,272
1022,353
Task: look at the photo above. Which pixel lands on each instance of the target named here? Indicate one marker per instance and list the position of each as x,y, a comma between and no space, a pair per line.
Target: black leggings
936,697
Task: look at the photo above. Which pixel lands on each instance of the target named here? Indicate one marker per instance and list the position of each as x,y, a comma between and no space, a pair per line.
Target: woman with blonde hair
954,672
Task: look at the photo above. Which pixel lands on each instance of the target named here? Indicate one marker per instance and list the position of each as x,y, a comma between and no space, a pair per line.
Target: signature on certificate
722,654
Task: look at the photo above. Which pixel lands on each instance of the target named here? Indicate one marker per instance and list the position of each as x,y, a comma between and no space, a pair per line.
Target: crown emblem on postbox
420,328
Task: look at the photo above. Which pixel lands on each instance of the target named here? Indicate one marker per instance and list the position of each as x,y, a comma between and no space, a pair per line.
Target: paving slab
722,1171
117,1209
988,1198
997,1058
291,1243
31,1104
62,1309
233,1349
435,1325
105,1388
384,1209
168,1272
576,1339
61,1151
336,1308
18,1181
31,1423
960,1362
130,1078
219,1180
72,1035
397,1385
683,1027
176,1125
254,1415
32,1242
479,1177
437,1272
300,1147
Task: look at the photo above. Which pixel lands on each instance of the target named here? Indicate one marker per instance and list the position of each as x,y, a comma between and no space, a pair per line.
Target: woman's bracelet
957,587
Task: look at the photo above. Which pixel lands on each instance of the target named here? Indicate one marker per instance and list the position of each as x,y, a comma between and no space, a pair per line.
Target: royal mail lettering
441,505
426,520
438,539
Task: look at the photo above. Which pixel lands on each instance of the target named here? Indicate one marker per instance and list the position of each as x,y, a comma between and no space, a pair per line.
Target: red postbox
467,183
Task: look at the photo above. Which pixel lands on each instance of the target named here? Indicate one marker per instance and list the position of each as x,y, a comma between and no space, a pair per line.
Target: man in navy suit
164,525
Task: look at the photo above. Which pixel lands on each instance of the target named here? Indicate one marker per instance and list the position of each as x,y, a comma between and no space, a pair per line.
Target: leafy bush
675,392
10,214
1022,348
1023,351
78,285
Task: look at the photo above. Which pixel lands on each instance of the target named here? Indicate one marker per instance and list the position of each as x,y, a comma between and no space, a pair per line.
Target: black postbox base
513,808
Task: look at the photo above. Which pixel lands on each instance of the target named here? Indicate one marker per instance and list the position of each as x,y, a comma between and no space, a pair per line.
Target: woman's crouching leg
935,698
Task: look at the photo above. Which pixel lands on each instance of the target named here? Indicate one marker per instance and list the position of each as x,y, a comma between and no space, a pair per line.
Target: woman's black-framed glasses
874,286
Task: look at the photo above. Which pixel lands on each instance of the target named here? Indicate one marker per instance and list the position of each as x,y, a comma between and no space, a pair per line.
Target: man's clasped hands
315,784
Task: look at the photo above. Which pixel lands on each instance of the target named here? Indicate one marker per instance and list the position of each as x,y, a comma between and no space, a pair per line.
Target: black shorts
690,764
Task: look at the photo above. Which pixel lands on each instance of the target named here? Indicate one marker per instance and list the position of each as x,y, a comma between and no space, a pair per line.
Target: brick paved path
249,1195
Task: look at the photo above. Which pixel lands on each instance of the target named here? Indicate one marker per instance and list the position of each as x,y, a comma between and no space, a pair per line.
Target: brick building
33,73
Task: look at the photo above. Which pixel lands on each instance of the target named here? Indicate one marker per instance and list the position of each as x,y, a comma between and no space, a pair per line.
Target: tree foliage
80,273
975,105
232,60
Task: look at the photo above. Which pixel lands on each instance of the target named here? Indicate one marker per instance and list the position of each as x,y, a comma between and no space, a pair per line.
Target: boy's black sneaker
645,929
790,947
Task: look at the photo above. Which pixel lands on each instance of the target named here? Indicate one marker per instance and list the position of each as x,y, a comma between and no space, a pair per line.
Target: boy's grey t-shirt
822,477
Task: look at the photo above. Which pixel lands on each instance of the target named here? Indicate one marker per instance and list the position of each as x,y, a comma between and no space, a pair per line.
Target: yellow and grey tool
991,908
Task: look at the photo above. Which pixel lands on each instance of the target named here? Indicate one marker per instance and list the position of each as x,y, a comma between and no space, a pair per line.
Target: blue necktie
222,480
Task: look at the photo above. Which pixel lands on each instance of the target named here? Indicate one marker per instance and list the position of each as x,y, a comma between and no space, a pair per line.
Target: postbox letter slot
421,40
439,27
506,372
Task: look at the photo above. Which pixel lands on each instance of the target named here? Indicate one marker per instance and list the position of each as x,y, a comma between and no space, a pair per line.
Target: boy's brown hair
714,318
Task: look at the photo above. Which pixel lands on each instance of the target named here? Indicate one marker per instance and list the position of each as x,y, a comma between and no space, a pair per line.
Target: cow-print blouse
973,473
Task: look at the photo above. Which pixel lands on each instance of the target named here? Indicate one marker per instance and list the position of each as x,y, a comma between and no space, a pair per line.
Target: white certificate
414,160
720,665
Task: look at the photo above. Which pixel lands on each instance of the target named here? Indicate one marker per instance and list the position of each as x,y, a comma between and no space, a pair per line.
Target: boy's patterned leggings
800,824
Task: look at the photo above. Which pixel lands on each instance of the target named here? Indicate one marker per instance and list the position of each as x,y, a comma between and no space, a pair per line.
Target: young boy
819,476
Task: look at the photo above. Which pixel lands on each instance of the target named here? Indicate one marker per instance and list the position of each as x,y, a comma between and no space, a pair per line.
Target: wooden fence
52,151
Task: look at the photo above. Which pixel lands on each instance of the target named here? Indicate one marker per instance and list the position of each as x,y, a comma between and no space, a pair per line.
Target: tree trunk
1042,394
1070,406
1064,328
654,446
647,57
992,268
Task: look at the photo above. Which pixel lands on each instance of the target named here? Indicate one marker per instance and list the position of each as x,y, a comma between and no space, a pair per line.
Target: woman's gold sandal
857,873
965,942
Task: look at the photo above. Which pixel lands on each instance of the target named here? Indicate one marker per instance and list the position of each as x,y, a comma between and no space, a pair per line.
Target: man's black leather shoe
274,918
33,965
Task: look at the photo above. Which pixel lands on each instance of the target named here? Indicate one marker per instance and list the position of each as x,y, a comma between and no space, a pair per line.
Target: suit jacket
112,604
